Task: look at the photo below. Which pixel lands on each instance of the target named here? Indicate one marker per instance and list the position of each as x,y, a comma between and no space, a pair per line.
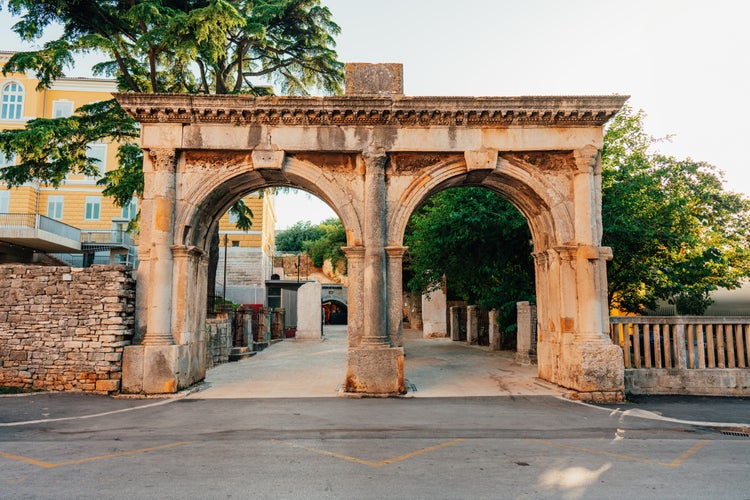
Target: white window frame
92,210
130,210
54,204
11,102
4,202
97,150
62,108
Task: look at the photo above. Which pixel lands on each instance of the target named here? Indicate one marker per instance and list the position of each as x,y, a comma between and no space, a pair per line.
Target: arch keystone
484,159
270,158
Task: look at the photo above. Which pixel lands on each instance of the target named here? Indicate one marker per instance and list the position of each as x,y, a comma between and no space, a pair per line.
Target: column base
585,367
375,371
154,369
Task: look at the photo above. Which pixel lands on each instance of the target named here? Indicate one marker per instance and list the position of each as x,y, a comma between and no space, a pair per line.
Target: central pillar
374,366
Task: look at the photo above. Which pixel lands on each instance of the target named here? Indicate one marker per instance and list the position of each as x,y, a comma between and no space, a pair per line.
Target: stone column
395,255
309,326
374,271
494,331
157,213
374,367
355,257
188,322
455,326
472,325
523,333
434,308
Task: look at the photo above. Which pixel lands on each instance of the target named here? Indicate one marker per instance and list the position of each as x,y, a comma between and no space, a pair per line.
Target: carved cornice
552,111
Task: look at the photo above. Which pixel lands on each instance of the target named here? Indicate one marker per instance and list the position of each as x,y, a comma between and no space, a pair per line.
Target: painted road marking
674,463
95,415
50,465
388,461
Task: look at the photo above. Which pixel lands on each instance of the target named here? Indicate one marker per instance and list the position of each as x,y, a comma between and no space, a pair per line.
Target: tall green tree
157,46
479,242
175,46
676,233
328,245
297,236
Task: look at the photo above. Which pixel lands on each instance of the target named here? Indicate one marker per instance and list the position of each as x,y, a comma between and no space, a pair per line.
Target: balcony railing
683,342
106,237
36,221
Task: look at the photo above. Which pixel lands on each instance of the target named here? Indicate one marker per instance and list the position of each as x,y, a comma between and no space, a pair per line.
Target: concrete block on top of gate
268,157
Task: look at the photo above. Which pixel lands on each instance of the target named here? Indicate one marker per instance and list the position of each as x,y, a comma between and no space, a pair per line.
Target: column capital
588,160
162,159
187,251
375,157
395,251
355,252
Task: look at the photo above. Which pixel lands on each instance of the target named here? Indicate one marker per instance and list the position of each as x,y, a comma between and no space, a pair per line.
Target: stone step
240,353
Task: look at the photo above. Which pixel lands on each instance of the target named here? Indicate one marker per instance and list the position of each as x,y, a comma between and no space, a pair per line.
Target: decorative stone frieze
373,110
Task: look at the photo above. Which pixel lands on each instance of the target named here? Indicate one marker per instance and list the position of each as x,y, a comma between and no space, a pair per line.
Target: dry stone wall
64,328
219,332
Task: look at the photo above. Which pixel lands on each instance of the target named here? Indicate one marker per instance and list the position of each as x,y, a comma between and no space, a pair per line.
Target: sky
685,63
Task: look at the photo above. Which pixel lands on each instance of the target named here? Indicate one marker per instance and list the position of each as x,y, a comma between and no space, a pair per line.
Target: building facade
75,222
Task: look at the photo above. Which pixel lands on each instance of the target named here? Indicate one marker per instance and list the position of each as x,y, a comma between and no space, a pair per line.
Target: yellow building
249,254
75,219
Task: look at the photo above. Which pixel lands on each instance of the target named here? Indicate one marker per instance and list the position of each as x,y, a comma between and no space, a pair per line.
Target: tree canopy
479,242
175,46
677,234
295,238
321,242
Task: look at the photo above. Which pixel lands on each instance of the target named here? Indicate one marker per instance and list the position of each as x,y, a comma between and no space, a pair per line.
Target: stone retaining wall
219,336
64,328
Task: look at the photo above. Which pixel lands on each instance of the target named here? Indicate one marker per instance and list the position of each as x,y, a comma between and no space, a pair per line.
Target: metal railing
106,237
683,342
36,221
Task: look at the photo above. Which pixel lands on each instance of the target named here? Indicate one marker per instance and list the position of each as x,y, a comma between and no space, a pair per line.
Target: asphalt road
78,446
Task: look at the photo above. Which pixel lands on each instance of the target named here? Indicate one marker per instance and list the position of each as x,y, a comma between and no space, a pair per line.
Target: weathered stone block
375,371
132,367
161,367
379,79
107,385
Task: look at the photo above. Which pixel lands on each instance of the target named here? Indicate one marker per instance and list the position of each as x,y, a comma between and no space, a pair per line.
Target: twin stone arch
374,159
548,218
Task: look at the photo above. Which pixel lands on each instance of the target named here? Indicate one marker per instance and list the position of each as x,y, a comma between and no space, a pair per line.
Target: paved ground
433,368
477,426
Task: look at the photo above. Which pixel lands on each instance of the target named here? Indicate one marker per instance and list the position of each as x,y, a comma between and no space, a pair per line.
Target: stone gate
374,155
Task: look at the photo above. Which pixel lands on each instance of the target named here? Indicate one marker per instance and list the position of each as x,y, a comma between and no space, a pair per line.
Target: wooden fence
682,342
